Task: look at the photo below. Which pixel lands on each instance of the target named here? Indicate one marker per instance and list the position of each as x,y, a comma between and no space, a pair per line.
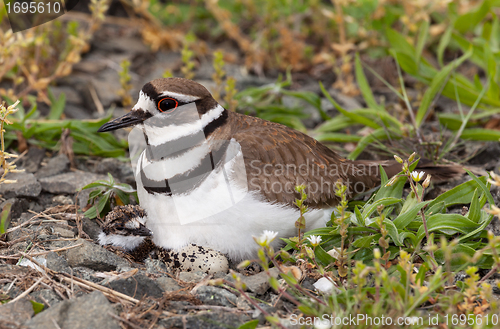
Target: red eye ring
170,110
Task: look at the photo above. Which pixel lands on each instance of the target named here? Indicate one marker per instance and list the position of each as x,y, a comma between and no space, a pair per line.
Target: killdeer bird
217,178
124,228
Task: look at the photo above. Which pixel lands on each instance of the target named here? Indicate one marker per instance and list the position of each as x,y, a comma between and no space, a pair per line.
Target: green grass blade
364,86
436,85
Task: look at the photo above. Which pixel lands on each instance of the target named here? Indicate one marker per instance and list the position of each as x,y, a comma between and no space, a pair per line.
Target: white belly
219,215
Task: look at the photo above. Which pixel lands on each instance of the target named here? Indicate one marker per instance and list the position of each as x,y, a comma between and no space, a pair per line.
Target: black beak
130,119
142,231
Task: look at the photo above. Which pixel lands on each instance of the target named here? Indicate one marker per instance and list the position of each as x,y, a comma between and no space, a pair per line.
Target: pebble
26,185
56,165
62,199
88,311
93,256
68,183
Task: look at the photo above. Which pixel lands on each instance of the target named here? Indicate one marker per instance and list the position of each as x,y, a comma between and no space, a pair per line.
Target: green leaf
422,37
337,137
395,190
480,181
97,183
436,85
471,19
366,241
393,232
32,113
444,41
250,324
378,134
359,217
364,86
355,117
97,209
57,107
405,218
337,123
475,209
436,208
461,194
399,43
37,307
4,218
480,134
370,208
448,224
324,258
311,98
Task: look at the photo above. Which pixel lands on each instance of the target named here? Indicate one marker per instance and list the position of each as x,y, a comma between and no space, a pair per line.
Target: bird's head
174,101
124,227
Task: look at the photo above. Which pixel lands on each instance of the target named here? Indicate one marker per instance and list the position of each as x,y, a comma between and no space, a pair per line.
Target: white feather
167,168
180,97
145,103
221,213
127,242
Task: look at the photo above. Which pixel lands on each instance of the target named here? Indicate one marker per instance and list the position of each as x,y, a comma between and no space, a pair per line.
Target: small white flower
314,239
266,238
417,176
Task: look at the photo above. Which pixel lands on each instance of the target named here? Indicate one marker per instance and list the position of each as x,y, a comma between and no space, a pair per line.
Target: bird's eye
167,104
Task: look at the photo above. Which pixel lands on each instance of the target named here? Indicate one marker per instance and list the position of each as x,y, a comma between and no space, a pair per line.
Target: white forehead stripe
180,97
145,103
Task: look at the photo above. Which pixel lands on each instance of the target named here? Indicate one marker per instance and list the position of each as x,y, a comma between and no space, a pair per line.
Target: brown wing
278,158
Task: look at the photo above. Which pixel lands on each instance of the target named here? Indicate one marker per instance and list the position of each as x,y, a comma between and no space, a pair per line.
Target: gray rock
213,319
26,185
46,296
259,283
68,182
191,276
155,266
57,263
56,165
137,287
32,160
168,284
85,312
93,256
119,170
216,296
13,315
62,232
91,228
